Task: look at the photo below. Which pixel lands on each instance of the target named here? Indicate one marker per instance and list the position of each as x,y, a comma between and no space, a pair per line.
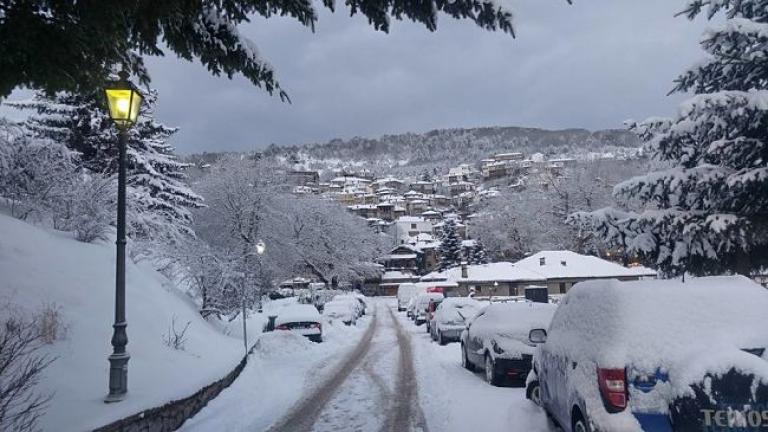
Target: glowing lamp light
124,101
260,247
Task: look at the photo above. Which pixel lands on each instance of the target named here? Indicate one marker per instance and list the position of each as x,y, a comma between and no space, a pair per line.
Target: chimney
464,270
542,261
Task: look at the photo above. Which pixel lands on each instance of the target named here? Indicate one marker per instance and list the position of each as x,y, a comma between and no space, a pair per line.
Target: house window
413,226
562,287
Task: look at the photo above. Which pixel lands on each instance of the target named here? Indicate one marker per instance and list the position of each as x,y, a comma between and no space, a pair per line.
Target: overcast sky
592,64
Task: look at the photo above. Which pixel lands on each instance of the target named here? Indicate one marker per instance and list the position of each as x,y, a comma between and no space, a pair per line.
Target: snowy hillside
409,153
43,268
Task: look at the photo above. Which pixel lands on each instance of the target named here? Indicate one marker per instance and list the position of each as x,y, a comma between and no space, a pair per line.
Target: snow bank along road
391,378
375,389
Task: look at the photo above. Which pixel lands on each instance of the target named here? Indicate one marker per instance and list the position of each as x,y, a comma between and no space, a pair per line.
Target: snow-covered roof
399,256
397,274
430,213
570,265
410,219
493,272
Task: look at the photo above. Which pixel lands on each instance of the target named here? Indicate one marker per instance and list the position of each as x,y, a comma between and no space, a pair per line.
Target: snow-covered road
389,376
376,389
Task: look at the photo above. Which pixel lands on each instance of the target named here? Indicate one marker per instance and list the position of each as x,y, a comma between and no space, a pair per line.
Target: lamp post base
118,377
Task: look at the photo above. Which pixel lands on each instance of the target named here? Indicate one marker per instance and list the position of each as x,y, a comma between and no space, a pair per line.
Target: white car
342,311
405,292
421,303
353,301
302,319
450,318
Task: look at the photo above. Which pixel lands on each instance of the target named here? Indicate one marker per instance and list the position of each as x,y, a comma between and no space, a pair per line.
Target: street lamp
124,101
260,249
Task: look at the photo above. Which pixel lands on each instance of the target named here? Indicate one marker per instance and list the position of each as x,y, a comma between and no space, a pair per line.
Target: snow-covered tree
477,254
241,195
159,199
325,241
450,245
77,44
704,212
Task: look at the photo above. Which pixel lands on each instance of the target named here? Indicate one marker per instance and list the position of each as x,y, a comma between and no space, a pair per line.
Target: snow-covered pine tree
705,212
450,246
477,254
159,199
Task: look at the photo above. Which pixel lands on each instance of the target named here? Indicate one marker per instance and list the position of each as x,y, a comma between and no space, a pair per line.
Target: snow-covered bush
34,174
50,322
21,369
176,337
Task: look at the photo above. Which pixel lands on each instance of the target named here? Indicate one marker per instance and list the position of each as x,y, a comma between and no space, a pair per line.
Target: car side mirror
537,336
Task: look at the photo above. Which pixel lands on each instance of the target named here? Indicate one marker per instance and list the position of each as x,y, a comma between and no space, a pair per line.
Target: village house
494,279
563,269
407,227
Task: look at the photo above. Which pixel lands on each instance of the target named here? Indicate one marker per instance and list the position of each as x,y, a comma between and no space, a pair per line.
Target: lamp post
260,249
124,101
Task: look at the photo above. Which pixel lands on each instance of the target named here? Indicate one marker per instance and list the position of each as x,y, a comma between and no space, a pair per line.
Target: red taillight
282,327
613,388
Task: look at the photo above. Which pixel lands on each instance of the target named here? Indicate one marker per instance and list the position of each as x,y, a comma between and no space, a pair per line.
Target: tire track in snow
406,414
304,415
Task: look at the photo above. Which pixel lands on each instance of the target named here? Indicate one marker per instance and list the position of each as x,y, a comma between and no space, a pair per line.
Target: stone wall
172,415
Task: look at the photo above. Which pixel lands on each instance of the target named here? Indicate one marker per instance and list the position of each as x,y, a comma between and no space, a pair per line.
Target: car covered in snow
355,302
302,319
656,356
431,309
421,304
497,341
343,311
406,292
450,318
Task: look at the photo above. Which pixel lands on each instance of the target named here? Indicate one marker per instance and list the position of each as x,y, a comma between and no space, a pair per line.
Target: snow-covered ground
384,375
44,268
283,368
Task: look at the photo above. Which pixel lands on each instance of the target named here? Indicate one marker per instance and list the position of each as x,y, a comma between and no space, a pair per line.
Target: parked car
410,308
497,340
421,304
405,292
343,311
303,319
431,308
355,303
655,356
450,318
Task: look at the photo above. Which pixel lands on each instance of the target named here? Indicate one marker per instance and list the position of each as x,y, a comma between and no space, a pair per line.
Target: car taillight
282,327
613,388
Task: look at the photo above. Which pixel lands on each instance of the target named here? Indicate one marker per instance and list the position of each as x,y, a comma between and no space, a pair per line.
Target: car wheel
465,360
580,424
490,372
440,338
533,392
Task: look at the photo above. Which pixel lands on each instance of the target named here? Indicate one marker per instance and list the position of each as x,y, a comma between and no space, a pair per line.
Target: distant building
563,269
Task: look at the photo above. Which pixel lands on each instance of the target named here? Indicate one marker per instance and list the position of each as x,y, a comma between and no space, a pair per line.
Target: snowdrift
40,267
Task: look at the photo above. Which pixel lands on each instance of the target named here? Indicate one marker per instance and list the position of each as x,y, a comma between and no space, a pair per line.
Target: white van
405,292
